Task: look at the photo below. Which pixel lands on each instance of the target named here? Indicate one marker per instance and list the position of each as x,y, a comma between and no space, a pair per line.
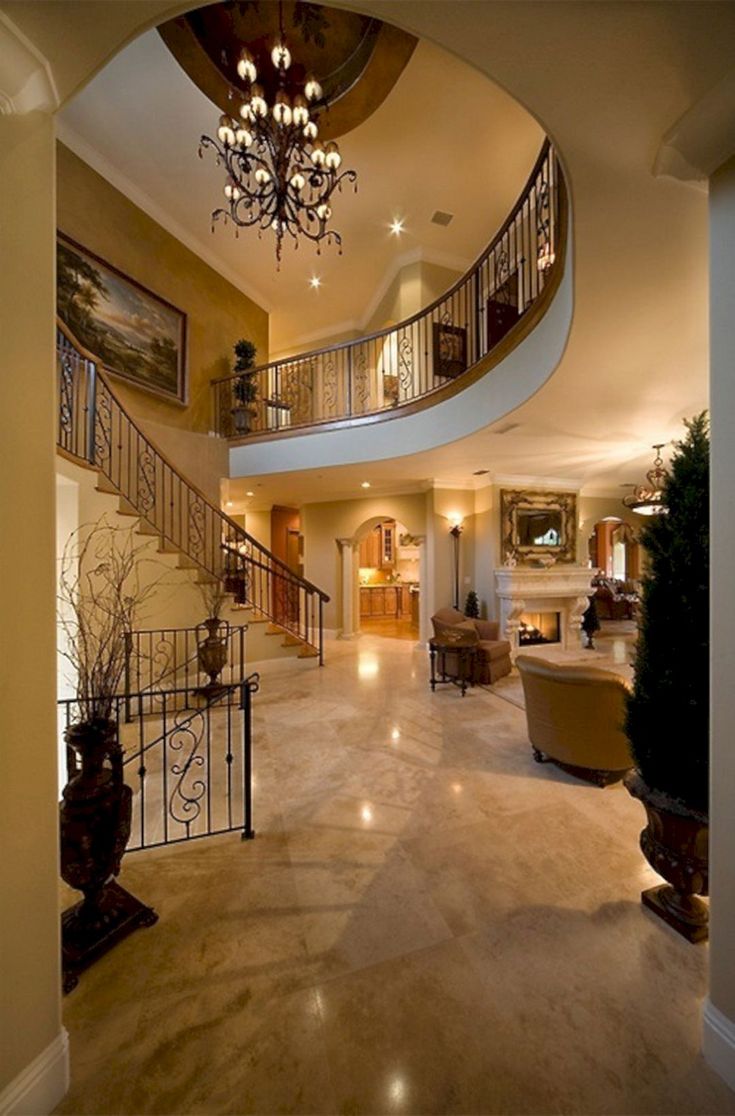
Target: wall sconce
455,531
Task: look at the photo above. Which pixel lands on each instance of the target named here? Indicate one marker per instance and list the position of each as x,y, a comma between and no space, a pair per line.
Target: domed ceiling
415,149
357,59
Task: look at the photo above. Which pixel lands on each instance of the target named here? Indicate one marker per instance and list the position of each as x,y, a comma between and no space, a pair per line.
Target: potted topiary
668,712
244,388
472,606
590,624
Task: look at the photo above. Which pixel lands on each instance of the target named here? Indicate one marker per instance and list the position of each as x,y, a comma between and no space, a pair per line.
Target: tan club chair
575,718
493,655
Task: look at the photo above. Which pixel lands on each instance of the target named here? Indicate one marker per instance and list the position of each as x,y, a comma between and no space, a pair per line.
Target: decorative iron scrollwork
66,393
297,392
329,386
405,364
146,480
360,381
103,428
196,529
184,804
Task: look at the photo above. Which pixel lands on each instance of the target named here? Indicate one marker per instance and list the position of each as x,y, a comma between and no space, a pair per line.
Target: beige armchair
492,660
575,718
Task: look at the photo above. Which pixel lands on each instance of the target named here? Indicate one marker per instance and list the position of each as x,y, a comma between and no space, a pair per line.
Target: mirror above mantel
538,528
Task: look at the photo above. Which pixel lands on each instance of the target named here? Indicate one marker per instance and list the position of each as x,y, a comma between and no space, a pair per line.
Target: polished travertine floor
427,922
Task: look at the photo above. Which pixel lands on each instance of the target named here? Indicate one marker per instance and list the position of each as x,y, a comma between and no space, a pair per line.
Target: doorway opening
388,580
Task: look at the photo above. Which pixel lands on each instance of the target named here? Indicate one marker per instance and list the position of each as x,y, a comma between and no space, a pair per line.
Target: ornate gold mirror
538,527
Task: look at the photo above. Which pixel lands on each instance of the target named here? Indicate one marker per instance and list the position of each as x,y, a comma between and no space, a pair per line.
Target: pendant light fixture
645,499
279,174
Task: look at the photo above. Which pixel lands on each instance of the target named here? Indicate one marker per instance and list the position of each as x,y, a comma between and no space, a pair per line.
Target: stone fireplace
527,591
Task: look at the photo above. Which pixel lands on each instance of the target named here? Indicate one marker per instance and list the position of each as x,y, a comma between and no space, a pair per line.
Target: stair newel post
321,631
248,688
91,410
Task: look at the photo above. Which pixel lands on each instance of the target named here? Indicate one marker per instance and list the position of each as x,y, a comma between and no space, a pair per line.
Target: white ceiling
445,138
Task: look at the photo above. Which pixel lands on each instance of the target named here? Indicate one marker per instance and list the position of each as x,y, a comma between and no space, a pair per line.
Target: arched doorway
383,576
614,550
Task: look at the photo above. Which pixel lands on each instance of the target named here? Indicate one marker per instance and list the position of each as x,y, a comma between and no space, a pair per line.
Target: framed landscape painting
136,334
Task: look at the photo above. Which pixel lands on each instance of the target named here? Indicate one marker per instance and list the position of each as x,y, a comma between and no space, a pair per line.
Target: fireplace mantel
563,589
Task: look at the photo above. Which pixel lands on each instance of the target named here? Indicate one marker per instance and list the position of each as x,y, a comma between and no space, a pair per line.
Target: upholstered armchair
575,718
492,659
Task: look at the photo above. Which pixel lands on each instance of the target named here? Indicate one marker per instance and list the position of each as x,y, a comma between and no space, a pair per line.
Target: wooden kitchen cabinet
378,550
370,550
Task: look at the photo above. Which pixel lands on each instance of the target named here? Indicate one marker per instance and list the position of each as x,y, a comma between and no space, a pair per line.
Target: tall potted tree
245,389
668,712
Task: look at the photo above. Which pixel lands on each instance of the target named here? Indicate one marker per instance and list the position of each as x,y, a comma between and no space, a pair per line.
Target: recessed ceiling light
315,282
229,504
365,484
397,226
249,493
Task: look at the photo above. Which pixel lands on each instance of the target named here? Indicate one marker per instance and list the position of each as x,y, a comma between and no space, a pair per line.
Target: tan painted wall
29,915
444,503
323,524
414,287
99,217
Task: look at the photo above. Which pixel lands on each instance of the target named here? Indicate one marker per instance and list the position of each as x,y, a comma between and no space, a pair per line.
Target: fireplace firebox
539,627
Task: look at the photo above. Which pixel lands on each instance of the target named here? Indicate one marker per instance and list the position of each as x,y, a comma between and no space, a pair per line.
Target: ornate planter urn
675,843
212,654
95,815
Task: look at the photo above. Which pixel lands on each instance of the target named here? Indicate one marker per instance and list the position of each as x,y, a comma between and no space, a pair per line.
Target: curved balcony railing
378,375
94,428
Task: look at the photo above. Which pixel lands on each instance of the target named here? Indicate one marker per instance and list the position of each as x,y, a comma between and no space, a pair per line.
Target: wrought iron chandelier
280,176
645,499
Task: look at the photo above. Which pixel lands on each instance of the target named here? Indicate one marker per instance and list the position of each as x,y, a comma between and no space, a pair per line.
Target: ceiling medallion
646,499
280,176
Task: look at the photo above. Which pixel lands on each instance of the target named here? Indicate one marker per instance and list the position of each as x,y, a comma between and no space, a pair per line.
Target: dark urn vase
95,816
675,843
212,655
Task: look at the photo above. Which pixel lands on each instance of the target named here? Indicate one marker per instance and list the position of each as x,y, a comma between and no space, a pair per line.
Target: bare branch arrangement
101,591
214,596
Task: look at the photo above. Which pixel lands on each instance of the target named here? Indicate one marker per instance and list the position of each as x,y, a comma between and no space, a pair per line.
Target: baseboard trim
41,1085
718,1042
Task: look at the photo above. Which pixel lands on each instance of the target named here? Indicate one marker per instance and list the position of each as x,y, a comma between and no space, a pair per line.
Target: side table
461,648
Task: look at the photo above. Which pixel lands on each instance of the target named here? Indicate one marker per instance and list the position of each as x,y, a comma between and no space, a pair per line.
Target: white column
425,632
719,1012
347,550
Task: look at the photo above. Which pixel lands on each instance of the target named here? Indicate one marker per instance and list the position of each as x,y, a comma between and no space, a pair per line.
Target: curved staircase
94,430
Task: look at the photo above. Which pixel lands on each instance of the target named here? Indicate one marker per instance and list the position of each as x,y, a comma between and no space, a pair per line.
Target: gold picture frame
537,525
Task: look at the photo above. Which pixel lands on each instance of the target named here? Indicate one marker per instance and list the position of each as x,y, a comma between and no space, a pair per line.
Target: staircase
96,431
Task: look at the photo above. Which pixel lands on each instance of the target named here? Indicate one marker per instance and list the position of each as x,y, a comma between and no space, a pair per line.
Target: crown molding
518,480
26,80
89,155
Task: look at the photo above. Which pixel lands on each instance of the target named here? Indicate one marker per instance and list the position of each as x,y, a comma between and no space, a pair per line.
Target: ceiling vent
442,218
